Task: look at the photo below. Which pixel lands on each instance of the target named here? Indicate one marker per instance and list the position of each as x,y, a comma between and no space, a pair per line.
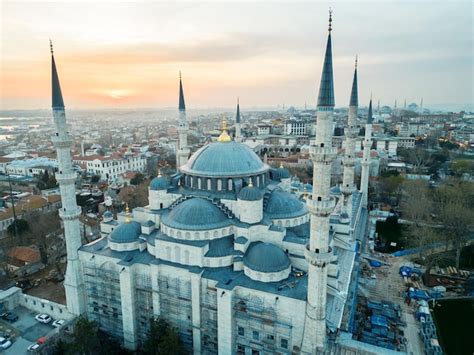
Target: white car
33,347
5,343
58,323
43,318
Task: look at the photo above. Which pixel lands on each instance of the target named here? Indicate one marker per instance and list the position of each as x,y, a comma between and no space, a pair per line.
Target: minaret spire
348,186
238,128
326,87
318,254
370,119
70,212
182,151
57,96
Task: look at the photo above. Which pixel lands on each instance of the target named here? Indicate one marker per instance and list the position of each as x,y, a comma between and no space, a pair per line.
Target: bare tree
135,196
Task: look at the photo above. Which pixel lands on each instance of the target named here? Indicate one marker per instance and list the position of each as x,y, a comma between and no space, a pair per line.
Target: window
255,352
240,349
284,343
241,331
255,335
270,337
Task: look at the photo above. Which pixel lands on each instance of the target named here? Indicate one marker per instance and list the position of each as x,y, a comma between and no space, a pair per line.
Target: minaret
364,179
69,212
351,135
182,152
395,105
238,128
318,253
378,107
405,104
421,105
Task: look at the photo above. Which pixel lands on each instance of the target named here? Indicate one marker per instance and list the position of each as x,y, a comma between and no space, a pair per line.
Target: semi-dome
226,159
250,193
126,232
266,257
107,214
196,214
159,183
282,204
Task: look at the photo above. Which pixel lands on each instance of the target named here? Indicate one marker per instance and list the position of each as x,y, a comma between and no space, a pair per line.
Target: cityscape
261,184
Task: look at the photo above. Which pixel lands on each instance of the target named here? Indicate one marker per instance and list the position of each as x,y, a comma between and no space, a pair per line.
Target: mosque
223,251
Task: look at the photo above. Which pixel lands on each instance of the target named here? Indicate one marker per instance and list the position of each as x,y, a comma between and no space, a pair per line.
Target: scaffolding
144,305
262,327
103,298
176,307
209,320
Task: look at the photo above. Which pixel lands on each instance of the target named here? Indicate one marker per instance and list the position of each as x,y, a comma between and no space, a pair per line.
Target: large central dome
227,159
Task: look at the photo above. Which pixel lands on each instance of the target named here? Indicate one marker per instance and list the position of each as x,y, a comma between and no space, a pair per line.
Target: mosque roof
266,257
196,214
250,193
282,204
225,159
126,232
159,183
107,214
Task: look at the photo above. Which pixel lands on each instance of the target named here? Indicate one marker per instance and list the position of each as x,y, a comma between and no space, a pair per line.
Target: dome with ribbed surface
126,232
250,193
282,204
224,159
159,183
196,214
266,257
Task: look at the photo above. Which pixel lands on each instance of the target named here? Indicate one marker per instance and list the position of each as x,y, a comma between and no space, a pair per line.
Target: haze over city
269,54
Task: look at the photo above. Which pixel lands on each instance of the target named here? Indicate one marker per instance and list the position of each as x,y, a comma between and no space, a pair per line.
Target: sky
128,54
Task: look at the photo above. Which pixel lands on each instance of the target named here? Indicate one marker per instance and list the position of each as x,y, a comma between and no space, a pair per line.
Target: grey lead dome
266,257
224,159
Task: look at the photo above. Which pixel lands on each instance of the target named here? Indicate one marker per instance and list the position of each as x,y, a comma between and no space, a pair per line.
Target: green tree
22,227
95,178
162,339
137,179
85,338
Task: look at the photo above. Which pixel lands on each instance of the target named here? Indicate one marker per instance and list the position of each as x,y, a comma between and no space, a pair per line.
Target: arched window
219,185
229,184
186,257
177,254
209,184
199,184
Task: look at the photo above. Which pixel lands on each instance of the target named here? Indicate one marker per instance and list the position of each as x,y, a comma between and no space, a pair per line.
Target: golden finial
330,20
281,164
250,183
128,217
224,137
159,172
51,46
305,192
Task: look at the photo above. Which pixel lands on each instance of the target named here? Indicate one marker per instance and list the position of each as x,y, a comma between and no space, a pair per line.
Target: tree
137,179
417,207
135,196
21,225
85,337
95,179
454,206
162,339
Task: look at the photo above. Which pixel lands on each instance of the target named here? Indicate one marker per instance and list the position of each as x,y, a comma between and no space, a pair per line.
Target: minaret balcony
347,190
65,141
367,144
318,258
322,154
349,162
66,178
321,207
70,214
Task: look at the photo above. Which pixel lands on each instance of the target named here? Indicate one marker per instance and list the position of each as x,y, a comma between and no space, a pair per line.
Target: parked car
33,347
5,343
43,318
9,316
58,323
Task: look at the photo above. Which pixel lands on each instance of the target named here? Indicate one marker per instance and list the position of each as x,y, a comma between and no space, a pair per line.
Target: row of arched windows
222,184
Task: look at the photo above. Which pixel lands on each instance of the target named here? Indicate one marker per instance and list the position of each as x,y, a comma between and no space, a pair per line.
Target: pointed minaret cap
326,87
369,115
354,101
57,96
182,105
237,115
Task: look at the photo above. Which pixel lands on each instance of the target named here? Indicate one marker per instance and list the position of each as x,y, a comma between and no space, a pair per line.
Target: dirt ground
50,290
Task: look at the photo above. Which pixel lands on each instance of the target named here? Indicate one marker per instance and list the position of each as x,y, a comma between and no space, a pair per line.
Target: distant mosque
223,252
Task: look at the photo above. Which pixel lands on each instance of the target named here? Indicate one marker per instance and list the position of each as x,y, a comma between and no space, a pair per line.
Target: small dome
224,159
283,204
107,214
196,214
250,193
126,232
159,183
266,257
